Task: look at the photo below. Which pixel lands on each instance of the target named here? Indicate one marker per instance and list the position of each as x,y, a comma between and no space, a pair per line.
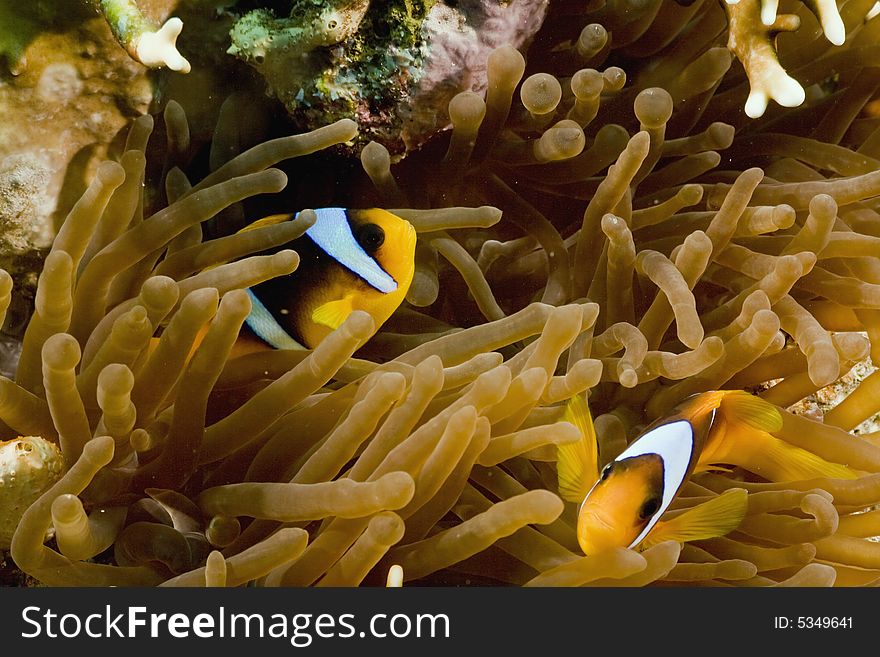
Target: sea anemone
623,231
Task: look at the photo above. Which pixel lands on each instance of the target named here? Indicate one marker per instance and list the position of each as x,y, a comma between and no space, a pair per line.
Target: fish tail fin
578,462
717,517
750,422
776,460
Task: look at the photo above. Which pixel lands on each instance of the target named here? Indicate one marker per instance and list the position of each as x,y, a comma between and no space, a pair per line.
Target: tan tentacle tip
347,127
432,365
394,383
627,376
653,107
548,506
99,450
157,289
111,173
493,214
467,108
823,204
238,301
360,325
640,143
307,217
61,352
587,83
276,179
506,64
612,223
401,483
541,93
137,315
374,156
66,508
713,346
117,377
722,134
142,123
590,311
285,261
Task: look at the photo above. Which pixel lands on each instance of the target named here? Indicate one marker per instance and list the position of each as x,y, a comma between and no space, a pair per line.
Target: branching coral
152,45
753,27
576,233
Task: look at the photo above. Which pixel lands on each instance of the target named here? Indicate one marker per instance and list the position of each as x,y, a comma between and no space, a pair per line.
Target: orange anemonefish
623,505
349,260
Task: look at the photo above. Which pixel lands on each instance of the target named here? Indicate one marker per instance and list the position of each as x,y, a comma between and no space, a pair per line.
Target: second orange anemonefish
625,505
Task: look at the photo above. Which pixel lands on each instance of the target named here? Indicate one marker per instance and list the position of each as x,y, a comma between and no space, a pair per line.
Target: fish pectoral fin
711,519
578,462
740,406
333,313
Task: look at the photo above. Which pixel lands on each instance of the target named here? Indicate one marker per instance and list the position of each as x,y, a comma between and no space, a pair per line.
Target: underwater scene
435,293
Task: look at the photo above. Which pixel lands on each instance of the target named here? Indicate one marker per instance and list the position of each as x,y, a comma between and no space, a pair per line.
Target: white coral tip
159,48
768,11
756,104
835,31
789,92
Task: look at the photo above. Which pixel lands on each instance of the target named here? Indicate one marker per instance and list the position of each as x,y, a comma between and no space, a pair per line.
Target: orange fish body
623,505
349,260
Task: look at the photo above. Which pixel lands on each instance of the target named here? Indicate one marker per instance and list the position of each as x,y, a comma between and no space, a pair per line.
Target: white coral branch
159,48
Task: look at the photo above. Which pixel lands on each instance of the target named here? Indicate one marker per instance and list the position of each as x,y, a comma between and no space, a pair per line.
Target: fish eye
606,471
370,237
649,508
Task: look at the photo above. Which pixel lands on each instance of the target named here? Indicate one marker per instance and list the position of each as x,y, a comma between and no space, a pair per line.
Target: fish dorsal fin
578,462
717,517
332,233
271,220
266,327
740,406
333,313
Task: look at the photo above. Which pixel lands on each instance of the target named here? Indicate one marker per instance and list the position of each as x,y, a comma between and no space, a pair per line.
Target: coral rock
395,65
28,466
